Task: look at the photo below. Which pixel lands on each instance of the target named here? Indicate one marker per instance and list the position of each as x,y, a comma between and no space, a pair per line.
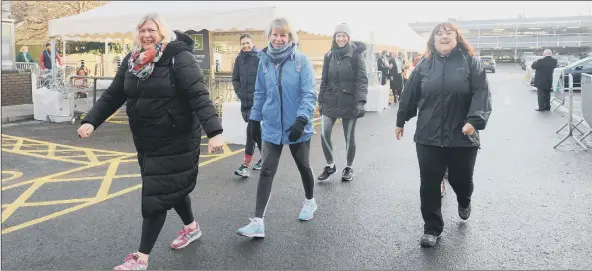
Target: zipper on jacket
281,99
443,106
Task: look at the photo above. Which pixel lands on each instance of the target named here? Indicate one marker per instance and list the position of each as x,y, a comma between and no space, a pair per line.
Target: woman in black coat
244,76
343,91
167,104
450,89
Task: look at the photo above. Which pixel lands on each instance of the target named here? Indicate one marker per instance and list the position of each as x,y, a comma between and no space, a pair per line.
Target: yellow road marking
51,150
20,202
51,202
15,175
106,184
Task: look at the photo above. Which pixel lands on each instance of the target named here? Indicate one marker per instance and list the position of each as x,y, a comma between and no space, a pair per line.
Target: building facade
508,39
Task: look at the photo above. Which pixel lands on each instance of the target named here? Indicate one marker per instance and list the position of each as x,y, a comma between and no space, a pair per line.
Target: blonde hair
282,23
23,48
163,29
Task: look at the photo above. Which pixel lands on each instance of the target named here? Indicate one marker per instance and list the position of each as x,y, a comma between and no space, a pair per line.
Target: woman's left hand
468,129
215,143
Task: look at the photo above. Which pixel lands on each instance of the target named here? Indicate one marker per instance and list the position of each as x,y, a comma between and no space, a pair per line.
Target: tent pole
106,61
53,59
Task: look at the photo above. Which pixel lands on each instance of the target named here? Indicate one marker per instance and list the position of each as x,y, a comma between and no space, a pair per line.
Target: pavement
69,203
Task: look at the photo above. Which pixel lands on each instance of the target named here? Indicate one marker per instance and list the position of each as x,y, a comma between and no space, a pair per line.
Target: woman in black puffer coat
244,76
167,104
344,86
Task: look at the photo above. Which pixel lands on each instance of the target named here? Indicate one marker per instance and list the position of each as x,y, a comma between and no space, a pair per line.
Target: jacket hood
359,46
182,42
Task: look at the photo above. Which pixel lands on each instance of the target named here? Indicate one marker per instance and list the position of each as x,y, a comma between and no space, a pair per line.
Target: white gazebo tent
116,20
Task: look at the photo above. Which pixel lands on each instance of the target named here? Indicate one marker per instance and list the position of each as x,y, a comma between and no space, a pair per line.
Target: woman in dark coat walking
451,110
244,76
167,104
343,91
396,82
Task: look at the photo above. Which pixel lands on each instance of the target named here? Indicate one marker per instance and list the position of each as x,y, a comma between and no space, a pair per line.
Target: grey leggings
349,130
270,155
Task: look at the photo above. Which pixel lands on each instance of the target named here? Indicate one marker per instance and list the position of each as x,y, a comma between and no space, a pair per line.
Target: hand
399,132
297,129
468,129
85,130
360,110
215,143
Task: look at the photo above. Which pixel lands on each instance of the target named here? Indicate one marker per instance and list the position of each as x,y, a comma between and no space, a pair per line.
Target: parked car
527,60
575,69
564,60
489,63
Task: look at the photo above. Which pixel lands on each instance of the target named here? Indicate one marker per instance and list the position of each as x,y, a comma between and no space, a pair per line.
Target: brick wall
16,88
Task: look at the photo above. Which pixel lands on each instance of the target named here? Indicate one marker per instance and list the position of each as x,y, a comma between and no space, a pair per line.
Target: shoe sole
430,245
244,176
256,235
190,241
319,178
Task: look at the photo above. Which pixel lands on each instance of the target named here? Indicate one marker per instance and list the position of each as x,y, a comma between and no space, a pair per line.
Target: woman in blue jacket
285,97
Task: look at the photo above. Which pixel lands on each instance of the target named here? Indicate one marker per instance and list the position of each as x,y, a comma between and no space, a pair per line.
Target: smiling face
341,39
246,44
445,40
279,37
149,35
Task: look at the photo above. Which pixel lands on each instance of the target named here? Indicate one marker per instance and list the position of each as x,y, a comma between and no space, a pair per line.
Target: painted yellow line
69,210
20,200
97,200
106,184
15,175
45,157
61,145
91,157
51,202
17,145
51,150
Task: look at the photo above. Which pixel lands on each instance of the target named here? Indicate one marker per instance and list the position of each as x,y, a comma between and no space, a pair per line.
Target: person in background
543,79
382,63
343,91
45,58
244,76
24,55
453,108
396,79
285,97
167,105
416,59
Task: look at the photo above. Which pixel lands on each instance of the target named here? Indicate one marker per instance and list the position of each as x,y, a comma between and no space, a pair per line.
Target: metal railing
586,82
570,125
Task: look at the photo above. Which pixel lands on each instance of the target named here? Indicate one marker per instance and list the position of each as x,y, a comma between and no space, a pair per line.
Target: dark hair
47,44
245,35
460,39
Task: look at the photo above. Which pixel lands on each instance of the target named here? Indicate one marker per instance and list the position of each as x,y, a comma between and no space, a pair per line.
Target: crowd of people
168,106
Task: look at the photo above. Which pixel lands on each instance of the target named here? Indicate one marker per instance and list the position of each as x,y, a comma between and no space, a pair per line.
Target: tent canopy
115,21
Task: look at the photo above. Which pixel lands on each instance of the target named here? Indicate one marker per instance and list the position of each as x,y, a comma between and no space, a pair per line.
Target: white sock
310,200
258,220
331,165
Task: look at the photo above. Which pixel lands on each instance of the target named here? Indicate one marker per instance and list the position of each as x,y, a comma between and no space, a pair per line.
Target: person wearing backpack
450,111
167,105
285,98
343,91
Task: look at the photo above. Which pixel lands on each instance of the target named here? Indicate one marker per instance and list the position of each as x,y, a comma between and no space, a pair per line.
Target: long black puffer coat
343,91
244,76
165,121
448,92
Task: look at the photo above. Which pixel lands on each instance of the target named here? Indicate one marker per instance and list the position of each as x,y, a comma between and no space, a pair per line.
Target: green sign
198,39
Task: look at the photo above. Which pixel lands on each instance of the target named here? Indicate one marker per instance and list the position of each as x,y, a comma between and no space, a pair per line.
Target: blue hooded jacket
278,107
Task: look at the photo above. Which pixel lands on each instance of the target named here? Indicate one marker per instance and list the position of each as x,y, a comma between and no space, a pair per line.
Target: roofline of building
513,20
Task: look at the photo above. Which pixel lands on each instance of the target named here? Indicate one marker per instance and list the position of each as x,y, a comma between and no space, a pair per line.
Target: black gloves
297,129
255,130
360,109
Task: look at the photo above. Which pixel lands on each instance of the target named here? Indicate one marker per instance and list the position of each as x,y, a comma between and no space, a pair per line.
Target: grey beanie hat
343,27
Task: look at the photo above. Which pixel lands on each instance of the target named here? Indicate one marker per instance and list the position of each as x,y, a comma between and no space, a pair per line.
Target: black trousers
433,162
544,97
151,226
251,142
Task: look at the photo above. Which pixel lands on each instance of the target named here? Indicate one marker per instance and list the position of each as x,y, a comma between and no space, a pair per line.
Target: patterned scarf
278,55
141,62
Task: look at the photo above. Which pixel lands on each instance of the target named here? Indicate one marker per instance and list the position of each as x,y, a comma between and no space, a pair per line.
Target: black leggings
271,159
433,162
251,142
151,226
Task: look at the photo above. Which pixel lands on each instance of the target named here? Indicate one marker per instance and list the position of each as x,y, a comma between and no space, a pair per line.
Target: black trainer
347,174
327,172
429,240
464,213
